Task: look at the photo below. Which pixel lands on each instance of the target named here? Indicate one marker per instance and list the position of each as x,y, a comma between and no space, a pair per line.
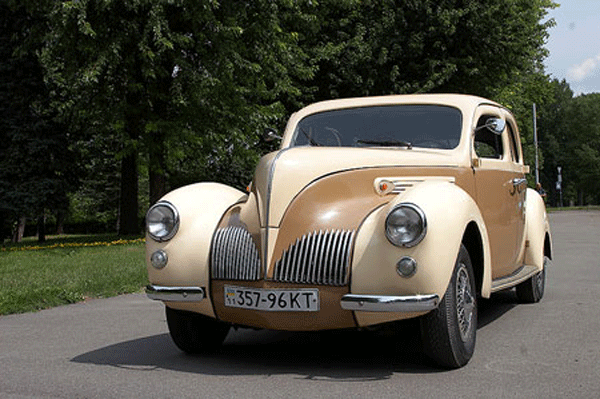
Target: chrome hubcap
465,303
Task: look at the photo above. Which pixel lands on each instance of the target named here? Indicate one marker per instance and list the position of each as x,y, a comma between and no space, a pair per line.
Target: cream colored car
373,210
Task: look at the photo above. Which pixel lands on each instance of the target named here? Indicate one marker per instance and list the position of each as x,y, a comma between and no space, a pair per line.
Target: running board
517,277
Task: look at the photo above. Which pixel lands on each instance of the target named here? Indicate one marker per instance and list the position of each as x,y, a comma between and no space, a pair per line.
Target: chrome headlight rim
175,227
423,222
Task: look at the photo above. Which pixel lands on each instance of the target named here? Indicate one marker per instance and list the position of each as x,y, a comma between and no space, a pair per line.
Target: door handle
518,183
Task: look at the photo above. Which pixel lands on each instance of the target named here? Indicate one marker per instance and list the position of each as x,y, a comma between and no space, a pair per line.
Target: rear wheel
532,290
449,331
195,333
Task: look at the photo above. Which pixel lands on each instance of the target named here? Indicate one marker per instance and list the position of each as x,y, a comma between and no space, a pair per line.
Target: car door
500,186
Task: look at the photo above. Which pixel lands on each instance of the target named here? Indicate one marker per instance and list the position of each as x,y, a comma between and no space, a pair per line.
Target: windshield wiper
386,143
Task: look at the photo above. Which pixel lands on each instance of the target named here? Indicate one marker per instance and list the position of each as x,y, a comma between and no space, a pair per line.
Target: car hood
282,175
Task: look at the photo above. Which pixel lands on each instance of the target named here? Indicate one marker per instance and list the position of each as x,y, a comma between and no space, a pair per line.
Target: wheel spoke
465,303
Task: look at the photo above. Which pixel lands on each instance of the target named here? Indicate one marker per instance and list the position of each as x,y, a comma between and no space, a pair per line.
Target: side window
487,143
513,143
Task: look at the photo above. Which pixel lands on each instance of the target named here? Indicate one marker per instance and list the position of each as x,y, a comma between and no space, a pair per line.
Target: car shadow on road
343,355
347,355
495,307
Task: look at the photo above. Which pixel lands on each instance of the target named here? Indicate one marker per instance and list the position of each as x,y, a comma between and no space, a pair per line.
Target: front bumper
365,303
388,303
175,294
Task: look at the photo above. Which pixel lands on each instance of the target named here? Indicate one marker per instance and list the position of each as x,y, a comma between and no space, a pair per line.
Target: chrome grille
317,258
234,255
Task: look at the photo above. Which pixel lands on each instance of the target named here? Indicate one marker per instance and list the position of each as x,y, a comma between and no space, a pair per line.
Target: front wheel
449,331
195,333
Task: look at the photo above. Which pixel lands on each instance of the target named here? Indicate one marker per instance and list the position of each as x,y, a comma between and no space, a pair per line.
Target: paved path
120,347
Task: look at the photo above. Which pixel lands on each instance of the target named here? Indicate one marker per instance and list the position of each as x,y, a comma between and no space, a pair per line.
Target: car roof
461,101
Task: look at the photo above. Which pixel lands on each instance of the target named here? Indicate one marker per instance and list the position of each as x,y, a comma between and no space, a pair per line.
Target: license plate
300,300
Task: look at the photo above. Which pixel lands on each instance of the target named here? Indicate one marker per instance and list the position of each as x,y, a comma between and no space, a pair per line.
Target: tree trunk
19,230
157,163
60,223
157,167
41,228
128,204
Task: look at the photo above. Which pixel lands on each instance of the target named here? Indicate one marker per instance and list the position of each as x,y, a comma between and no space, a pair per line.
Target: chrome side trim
175,294
390,303
522,274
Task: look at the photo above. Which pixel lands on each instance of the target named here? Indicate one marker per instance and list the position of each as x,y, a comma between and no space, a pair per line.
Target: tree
171,79
182,87
554,139
580,146
36,170
391,47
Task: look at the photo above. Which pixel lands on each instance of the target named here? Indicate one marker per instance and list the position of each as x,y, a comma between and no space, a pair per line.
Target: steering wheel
329,131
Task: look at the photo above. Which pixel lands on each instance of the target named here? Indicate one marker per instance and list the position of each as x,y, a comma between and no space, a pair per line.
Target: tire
449,331
532,290
195,333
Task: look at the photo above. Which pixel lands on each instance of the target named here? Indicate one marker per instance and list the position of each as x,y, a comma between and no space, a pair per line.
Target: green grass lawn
67,270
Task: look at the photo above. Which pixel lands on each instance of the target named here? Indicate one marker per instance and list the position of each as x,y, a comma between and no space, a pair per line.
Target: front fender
201,207
448,210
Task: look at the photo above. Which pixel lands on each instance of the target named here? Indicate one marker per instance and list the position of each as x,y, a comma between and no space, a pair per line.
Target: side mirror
270,134
495,125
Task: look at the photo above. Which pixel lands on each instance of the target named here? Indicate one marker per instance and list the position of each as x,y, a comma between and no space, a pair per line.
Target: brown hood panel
343,200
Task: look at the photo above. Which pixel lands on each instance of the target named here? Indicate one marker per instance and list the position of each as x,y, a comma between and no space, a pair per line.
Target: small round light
406,267
405,225
162,221
159,259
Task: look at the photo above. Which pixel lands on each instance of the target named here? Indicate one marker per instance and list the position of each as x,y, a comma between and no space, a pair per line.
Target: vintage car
372,211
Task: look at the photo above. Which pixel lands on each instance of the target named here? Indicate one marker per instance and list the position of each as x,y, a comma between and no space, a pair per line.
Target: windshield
408,126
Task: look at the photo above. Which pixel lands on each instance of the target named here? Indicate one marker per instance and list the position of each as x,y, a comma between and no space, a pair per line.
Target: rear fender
201,206
538,227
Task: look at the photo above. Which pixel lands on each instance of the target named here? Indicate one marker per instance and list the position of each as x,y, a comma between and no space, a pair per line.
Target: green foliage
36,163
176,91
177,82
580,147
390,47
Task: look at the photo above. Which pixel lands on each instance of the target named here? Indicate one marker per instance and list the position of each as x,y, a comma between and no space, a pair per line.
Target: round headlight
162,221
405,225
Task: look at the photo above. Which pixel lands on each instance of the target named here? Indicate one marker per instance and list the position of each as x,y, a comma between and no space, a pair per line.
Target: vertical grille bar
234,255
321,257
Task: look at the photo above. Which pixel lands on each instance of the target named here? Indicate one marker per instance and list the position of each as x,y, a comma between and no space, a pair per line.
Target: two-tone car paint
306,200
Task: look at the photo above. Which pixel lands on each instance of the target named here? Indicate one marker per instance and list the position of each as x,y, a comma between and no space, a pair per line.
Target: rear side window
513,143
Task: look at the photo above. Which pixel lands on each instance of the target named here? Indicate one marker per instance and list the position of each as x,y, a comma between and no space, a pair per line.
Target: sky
574,45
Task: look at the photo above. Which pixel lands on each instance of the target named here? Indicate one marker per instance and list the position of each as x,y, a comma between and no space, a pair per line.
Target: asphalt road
120,347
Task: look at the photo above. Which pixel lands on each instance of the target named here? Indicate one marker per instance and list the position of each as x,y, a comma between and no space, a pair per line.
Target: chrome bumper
387,303
175,294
